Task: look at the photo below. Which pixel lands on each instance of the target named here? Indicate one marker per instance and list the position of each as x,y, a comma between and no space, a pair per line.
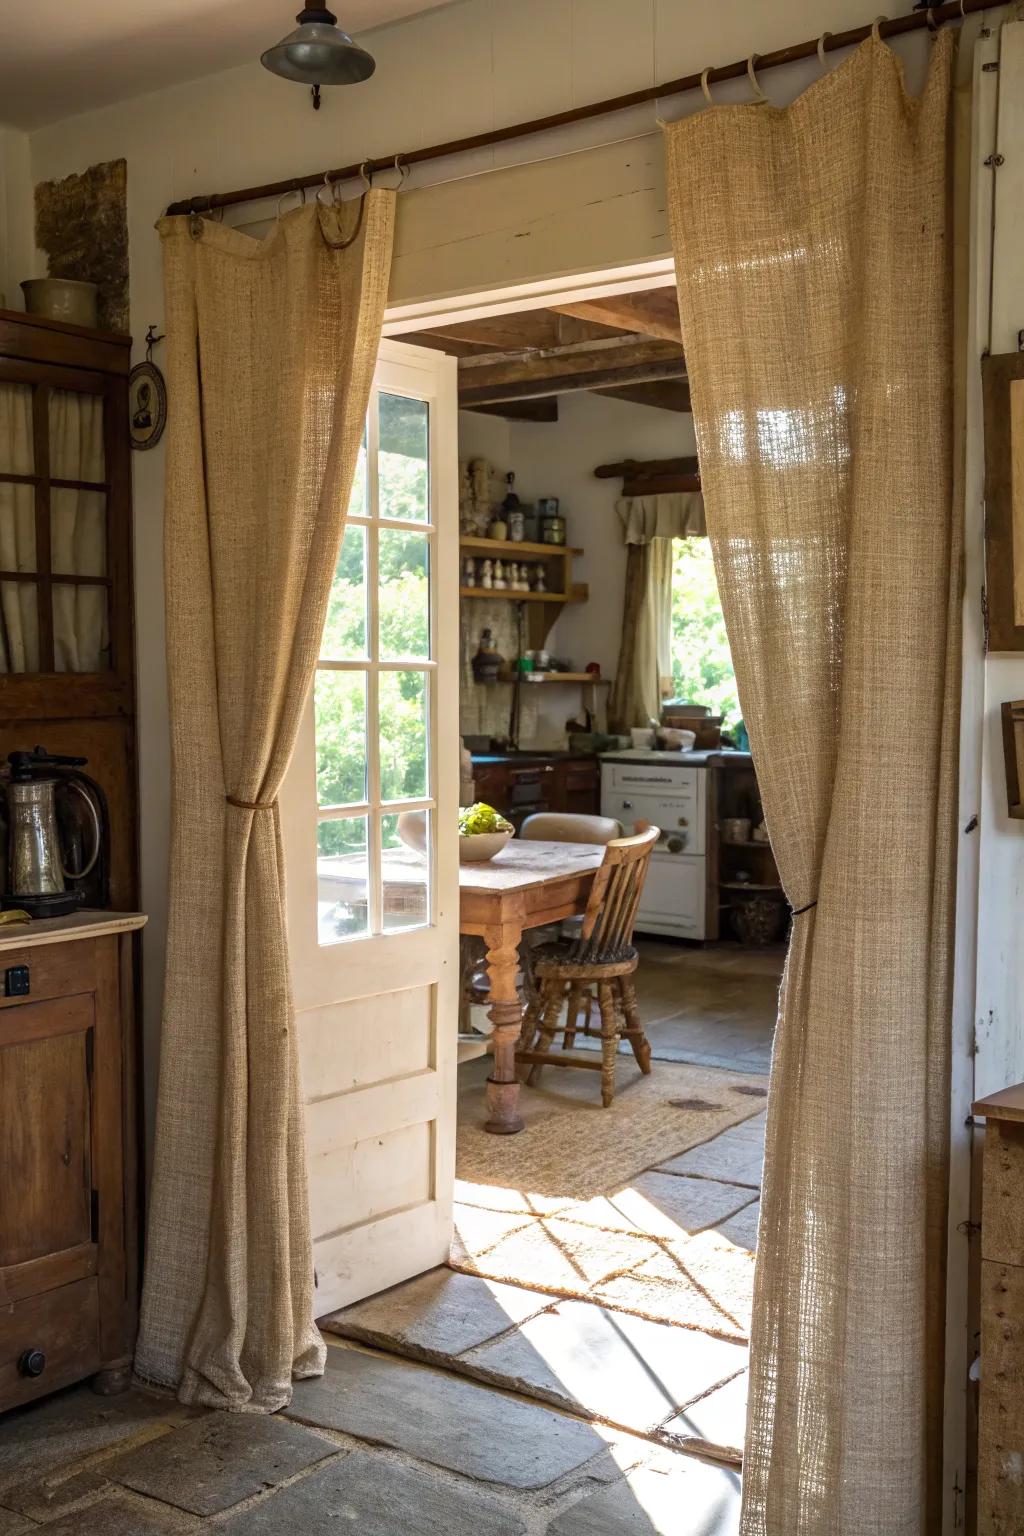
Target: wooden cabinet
67,665
69,1259
518,787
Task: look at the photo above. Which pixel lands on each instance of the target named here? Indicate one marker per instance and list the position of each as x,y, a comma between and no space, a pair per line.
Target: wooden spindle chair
603,959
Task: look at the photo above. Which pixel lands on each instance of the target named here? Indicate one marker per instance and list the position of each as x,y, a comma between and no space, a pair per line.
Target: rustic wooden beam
545,409
654,312
638,469
660,485
523,387
673,395
526,331
597,356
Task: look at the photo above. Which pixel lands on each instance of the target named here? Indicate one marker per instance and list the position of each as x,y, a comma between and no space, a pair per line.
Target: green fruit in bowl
476,820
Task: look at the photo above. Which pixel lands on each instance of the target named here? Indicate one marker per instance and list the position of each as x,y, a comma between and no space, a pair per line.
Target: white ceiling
59,58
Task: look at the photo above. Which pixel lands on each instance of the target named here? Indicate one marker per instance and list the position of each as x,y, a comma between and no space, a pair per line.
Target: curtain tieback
799,911
252,805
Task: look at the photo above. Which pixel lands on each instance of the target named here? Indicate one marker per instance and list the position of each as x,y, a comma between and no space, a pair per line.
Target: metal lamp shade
319,53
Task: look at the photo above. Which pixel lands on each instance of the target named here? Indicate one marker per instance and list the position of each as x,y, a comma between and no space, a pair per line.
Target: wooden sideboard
69,1249
1001,1401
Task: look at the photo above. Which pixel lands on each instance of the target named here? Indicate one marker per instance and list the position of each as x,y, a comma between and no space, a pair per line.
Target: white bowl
481,846
677,740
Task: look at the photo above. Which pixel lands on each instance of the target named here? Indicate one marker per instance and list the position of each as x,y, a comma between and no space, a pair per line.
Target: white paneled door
373,925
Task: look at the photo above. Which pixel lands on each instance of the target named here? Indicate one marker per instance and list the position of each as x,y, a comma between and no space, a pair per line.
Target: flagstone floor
571,1420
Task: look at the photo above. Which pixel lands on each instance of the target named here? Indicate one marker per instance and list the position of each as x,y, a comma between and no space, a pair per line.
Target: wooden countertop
77,925
1007,1104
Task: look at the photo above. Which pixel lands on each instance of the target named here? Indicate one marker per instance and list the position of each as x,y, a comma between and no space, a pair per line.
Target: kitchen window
701,659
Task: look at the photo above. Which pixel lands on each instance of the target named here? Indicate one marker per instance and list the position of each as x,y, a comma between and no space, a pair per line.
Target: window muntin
373,693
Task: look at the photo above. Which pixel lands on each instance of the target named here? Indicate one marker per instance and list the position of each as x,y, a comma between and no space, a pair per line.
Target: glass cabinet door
54,529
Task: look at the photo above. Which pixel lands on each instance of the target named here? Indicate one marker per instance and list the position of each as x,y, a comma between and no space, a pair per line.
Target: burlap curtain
645,649
271,351
813,258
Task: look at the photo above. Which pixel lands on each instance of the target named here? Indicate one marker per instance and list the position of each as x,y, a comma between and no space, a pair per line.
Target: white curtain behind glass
19,628
78,544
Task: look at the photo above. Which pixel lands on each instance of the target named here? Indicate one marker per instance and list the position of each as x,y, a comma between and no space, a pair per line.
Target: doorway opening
615,1243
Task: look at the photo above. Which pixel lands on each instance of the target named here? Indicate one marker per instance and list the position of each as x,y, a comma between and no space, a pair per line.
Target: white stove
668,789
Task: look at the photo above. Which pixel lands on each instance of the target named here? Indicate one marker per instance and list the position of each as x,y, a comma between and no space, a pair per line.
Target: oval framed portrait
147,405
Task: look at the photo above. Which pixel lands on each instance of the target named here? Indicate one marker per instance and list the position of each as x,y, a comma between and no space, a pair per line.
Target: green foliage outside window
701,660
404,633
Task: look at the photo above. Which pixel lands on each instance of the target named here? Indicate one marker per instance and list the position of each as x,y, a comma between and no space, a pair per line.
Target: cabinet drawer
54,970
63,1326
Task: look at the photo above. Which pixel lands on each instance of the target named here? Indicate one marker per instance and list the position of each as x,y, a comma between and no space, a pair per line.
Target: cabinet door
49,1212
578,789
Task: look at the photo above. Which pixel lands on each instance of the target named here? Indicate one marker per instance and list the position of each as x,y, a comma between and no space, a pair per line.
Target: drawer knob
32,1363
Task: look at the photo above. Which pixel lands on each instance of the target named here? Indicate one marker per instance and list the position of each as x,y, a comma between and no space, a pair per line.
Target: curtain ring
929,17
759,95
705,87
875,34
195,225
367,177
289,193
963,13
403,173
821,50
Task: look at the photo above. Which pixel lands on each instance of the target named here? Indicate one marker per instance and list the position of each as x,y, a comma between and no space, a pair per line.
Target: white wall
559,459
16,244
449,72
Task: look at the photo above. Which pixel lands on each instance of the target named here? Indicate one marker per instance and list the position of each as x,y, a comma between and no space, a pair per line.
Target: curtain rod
931,16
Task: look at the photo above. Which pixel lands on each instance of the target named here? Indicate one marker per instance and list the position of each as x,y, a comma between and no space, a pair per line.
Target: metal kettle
37,863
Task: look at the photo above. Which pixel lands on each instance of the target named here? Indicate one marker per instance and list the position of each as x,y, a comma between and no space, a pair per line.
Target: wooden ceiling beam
654,313
524,387
544,409
589,357
672,395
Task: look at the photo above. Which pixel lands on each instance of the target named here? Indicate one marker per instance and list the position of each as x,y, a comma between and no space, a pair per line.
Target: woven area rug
579,1204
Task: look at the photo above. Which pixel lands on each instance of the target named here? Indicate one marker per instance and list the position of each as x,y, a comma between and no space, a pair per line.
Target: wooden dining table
527,885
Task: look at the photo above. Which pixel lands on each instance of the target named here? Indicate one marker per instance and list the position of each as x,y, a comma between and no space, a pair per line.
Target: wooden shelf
512,547
552,677
578,594
747,885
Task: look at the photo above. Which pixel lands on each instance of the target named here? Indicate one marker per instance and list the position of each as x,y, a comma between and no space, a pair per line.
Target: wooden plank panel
337,1052
45,1150
1002,1214
366,1180
337,1122
1001,1428
381,1249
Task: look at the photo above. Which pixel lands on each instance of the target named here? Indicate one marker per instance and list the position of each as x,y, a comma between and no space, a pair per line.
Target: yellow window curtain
813,260
645,652
271,351
644,670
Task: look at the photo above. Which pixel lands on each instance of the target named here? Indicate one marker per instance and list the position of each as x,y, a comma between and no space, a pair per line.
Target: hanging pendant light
319,53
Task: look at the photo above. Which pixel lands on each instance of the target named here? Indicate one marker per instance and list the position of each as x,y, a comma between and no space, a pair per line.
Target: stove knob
32,1363
676,844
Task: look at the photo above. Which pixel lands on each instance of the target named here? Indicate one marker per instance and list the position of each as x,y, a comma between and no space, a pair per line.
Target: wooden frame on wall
1003,386
1013,752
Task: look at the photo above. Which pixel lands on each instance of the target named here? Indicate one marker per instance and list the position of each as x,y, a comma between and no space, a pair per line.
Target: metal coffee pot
37,863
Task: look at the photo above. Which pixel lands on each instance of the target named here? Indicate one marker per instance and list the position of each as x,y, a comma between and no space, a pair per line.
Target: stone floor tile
46,1440
12,1524
218,1461
675,1204
733,1159
693,1498
124,1514
613,1366
438,1314
741,1229
375,1496
443,1419
715,1424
